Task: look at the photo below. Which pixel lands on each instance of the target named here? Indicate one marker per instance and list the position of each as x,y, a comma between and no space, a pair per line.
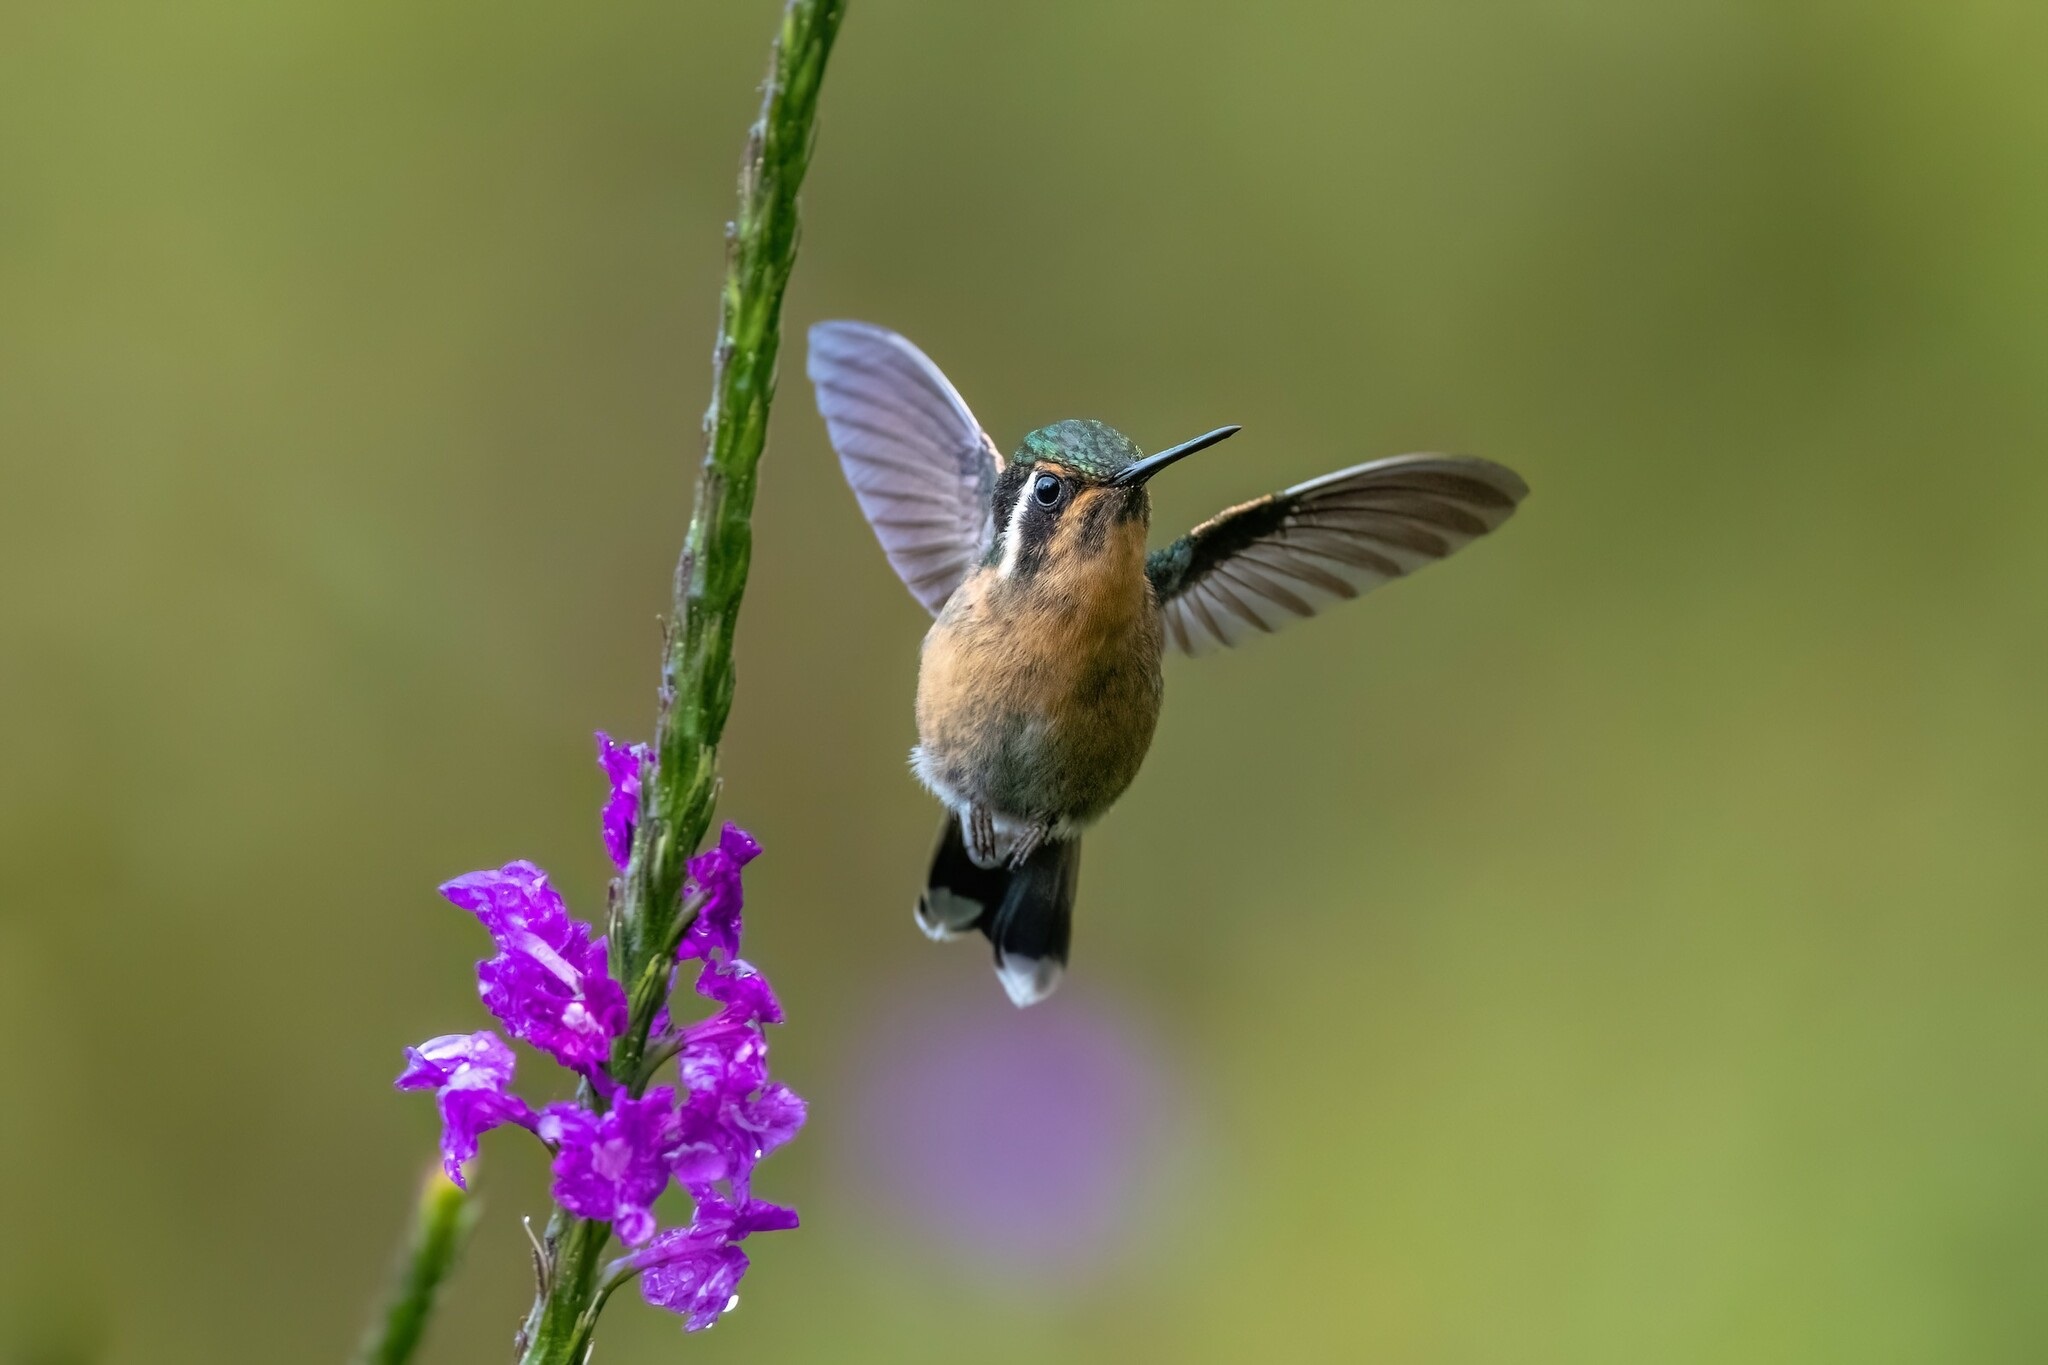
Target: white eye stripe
1013,535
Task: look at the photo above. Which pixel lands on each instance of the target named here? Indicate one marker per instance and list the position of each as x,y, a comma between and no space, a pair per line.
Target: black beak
1136,474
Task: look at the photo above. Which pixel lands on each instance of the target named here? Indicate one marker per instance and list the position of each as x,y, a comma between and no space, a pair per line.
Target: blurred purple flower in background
1016,1144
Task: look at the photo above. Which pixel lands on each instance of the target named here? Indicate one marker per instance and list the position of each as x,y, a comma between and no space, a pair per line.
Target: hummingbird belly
1037,704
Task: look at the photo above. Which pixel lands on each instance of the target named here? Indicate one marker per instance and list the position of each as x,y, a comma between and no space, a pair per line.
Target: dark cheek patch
1134,504
1102,510
1036,531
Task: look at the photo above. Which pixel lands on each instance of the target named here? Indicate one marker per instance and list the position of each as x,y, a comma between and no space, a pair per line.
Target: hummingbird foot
979,826
1027,844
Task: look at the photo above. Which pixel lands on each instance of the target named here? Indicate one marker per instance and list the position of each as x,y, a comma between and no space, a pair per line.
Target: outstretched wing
921,466
1255,567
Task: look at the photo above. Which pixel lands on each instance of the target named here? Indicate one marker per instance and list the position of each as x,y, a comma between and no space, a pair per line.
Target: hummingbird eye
1047,490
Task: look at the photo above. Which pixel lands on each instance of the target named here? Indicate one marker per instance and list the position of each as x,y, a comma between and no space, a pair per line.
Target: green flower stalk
598,1004
677,797
711,576
441,1229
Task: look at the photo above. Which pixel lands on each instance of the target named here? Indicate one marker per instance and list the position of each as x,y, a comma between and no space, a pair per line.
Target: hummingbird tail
1031,927
959,896
1027,913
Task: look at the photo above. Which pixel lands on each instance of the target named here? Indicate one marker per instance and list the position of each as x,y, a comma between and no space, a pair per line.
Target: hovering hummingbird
1039,684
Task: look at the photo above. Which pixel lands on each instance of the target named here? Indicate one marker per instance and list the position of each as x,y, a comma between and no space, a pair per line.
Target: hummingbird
1039,682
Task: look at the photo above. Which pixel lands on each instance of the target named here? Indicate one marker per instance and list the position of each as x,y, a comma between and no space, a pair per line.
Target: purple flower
622,764
715,874
613,1166
549,982
733,1115
743,991
695,1271
469,1073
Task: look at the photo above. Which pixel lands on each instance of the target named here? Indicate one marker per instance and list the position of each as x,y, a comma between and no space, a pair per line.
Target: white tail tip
1028,980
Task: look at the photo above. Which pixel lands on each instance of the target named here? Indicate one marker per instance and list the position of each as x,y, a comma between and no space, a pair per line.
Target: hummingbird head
1075,489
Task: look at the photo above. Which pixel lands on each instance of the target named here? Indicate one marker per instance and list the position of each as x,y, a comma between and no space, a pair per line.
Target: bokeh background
1623,943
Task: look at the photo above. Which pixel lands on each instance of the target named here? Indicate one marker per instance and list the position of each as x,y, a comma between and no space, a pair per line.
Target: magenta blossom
622,764
613,1166
733,1115
549,982
743,991
715,933
468,1073
695,1271
715,875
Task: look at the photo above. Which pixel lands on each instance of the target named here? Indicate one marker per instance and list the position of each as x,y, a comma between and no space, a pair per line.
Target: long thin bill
1134,474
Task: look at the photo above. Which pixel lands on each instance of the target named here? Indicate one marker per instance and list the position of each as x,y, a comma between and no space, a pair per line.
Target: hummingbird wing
922,468
1253,568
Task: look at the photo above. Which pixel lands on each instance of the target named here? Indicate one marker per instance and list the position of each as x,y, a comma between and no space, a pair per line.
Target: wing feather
920,466
1287,556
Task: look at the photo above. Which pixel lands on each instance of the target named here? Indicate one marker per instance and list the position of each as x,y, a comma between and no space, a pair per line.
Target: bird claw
980,829
1027,845
985,847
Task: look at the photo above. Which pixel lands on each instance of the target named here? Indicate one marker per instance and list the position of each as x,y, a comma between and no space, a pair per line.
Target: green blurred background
1624,943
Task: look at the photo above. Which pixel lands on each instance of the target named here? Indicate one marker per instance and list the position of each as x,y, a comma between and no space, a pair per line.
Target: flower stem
615,1274
678,794
711,576
446,1215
